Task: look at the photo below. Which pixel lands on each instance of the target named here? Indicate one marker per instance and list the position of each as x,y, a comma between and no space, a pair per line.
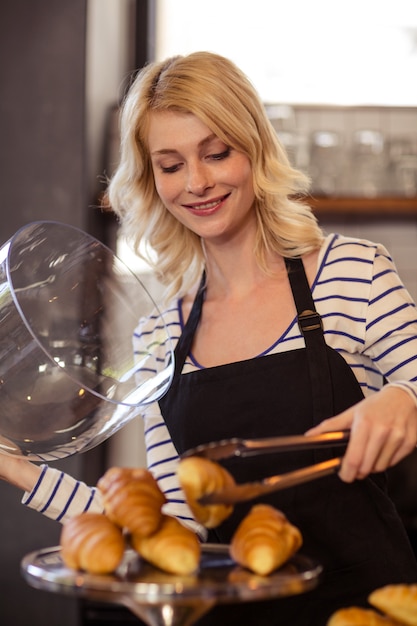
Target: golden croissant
173,548
357,616
397,601
264,540
91,542
199,477
132,499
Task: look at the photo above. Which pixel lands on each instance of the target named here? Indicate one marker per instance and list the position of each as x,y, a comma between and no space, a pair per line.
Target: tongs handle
227,448
249,447
248,491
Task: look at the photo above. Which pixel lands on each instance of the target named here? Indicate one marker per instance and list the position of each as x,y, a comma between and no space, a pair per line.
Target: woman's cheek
166,190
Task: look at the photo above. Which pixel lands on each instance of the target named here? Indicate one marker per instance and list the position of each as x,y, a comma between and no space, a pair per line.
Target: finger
407,447
383,446
355,452
378,453
341,422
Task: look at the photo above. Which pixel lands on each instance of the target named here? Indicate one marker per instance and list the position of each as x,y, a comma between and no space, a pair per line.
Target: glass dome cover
70,374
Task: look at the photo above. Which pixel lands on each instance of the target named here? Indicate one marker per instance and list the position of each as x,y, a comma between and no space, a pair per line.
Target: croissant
173,548
264,540
91,542
397,601
356,616
199,477
132,499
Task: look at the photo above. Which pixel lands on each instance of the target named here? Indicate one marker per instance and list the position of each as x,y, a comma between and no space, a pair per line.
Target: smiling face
204,183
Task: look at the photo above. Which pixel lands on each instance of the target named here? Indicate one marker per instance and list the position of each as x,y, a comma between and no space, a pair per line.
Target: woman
278,329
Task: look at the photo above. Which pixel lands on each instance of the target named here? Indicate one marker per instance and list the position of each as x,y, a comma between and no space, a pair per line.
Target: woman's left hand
383,430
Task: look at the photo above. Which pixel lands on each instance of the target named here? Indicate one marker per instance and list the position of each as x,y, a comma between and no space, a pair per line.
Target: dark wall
42,176
42,112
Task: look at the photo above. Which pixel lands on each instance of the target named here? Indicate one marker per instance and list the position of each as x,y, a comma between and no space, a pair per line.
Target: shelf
392,207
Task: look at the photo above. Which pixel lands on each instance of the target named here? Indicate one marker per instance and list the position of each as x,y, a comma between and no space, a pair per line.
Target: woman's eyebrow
200,144
165,151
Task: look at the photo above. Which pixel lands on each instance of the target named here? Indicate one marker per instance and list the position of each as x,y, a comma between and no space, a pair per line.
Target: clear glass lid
82,344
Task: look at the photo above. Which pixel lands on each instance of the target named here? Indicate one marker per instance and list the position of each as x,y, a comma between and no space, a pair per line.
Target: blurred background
338,81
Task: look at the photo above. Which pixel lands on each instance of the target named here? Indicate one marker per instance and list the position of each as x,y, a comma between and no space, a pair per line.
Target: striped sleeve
368,314
162,461
391,328
59,496
162,456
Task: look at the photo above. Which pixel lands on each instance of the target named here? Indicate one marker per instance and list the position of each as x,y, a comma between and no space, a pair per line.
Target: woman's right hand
383,430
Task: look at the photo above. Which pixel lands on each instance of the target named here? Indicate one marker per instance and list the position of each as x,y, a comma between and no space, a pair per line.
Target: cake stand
161,599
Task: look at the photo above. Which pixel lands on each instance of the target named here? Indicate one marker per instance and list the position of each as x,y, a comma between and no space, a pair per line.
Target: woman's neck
235,271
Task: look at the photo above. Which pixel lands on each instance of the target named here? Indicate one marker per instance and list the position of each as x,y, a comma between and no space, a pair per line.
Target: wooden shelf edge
393,206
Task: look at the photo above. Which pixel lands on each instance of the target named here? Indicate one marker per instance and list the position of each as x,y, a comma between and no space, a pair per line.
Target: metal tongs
227,448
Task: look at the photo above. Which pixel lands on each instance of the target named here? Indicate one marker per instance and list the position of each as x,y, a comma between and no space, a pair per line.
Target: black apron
353,530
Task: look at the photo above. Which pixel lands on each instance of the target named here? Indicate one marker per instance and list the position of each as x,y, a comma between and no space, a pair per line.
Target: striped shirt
368,317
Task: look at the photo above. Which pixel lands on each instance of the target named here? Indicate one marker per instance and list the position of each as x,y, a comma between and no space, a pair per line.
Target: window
322,52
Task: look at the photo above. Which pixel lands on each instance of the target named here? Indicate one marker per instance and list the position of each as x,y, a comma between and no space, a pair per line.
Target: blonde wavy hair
213,89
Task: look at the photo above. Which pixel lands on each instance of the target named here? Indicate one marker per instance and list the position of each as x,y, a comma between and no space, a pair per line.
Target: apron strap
311,327
183,347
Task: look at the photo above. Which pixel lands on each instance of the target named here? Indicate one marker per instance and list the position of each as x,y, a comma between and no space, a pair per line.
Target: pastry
356,616
91,542
132,499
264,540
173,548
199,477
397,601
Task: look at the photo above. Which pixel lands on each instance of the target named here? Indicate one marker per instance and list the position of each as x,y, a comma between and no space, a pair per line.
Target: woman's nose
198,180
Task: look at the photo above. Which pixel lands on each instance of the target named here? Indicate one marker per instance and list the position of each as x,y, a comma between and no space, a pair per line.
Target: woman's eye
221,155
169,169
218,156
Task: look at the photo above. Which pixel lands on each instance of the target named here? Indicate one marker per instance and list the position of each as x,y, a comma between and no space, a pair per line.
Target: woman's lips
206,208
